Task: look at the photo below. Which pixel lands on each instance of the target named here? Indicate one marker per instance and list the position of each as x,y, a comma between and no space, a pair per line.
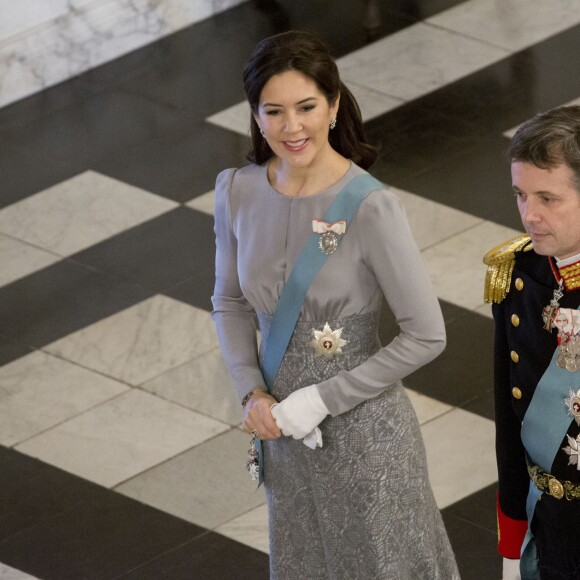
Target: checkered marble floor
121,454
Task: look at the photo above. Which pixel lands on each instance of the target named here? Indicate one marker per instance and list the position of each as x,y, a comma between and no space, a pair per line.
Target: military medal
328,342
549,312
253,462
572,450
330,234
567,321
572,402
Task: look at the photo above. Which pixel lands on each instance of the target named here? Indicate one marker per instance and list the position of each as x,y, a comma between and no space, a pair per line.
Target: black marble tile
482,404
161,253
410,143
472,529
61,299
179,167
94,127
32,491
100,535
478,509
24,172
463,374
11,349
211,557
194,291
475,549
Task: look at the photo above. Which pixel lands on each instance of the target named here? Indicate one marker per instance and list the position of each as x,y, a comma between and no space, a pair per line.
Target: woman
343,459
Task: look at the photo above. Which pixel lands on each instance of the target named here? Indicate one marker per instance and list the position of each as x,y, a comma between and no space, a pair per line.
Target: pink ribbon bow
322,227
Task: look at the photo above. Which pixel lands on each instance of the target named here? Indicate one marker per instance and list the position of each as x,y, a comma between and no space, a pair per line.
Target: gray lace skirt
361,507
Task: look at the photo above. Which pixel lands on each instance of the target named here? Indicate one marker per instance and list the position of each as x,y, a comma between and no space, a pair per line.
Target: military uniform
521,284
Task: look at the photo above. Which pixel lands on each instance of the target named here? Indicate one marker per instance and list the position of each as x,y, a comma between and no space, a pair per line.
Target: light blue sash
307,265
545,423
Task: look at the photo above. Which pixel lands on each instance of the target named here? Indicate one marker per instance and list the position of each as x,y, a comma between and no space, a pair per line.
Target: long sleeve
232,314
391,254
510,452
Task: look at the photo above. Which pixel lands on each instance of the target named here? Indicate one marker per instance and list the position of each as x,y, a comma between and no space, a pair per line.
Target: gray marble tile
80,212
39,391
7,573
250,529
204,203
235,118
421,59
122,437
456,267
433,222
19,259
207,485
41,47
460,455
513,25
141,342
202,384
426,408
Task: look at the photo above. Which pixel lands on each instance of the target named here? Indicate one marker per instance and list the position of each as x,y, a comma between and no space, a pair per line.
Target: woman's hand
258,416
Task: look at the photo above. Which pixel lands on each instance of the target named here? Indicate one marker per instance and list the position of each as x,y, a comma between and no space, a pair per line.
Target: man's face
549,206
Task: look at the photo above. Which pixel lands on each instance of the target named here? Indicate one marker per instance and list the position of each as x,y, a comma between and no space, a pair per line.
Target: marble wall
43,42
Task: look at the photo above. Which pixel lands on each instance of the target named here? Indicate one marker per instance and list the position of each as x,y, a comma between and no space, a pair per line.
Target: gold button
515,320
519,284
515,356
516,393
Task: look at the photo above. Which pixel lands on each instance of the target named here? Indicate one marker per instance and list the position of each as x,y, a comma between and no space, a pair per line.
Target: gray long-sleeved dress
361,506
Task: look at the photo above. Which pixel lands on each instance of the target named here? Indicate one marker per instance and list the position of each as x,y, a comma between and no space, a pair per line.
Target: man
534,282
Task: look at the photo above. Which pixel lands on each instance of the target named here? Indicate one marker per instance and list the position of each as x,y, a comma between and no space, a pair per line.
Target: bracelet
249,395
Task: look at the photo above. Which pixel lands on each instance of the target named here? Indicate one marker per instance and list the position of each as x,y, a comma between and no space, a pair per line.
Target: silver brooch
328,342
328,243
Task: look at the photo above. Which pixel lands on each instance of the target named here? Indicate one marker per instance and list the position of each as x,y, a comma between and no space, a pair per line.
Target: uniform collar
568,270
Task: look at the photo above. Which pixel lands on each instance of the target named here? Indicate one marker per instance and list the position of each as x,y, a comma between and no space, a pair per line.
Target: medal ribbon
307,265
546,415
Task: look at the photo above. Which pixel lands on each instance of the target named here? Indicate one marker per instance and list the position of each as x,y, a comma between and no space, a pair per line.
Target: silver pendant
328,242
569,355
253,461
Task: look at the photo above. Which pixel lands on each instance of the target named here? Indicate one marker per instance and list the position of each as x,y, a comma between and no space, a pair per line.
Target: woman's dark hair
550,139
303,52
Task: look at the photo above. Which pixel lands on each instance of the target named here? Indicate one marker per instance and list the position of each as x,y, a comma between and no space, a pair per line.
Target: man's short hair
550,139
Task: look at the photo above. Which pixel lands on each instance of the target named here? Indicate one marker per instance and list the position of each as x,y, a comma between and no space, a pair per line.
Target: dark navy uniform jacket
523,350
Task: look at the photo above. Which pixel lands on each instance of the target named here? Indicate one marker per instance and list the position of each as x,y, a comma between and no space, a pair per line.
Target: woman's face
295,117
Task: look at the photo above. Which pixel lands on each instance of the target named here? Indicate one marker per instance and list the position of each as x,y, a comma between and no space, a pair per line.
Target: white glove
300,413
313,439
511,569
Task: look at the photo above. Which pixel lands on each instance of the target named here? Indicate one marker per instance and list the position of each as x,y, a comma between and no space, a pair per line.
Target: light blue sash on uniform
307,265
545,423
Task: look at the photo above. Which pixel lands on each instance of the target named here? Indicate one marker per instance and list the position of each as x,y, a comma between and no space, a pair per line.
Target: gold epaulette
500,265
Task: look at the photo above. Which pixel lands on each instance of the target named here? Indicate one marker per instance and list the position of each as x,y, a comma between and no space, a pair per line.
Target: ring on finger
255,433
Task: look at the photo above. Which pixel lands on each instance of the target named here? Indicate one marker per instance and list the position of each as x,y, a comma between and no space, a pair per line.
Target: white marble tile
39,391
426,408
250,529
122,438
372,103
456,265
235,118
514,25
460,455
484,310
19,259
41,47
202,384
8,573
511,132
141,342
80,212
420,59
208,485
204,203
433,222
